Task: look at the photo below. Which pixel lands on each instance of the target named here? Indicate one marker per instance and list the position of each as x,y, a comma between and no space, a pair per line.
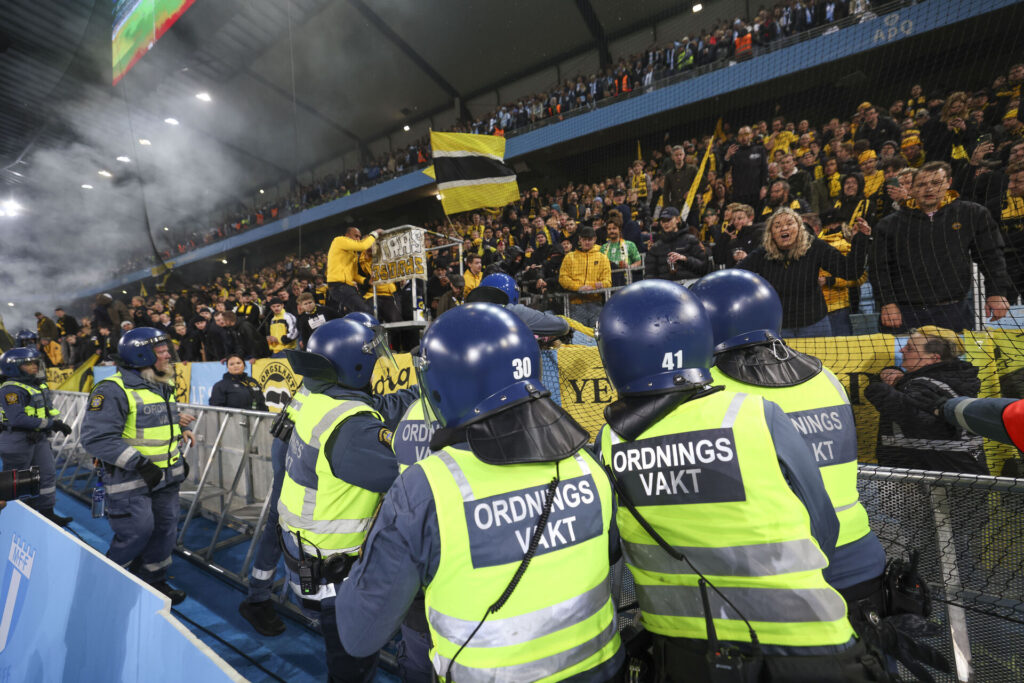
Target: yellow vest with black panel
820,411
151,427
40,403
707,478
560,619
332,516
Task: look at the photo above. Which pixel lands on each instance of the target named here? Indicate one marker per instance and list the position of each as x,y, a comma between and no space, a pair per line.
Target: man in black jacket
220,338
909,434
921,258
191,348
737,237
876,129
678,180
676,254
749,166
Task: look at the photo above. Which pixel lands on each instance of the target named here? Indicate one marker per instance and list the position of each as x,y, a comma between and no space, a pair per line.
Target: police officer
338,464
26,338
746,316
509,528
28,417
132,426
501,289
719,483
258,608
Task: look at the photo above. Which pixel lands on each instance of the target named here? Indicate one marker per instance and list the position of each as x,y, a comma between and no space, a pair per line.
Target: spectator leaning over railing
921,258
584,269
911,436
791,258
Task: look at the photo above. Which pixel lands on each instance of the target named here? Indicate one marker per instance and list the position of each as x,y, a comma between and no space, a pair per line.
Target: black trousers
347,299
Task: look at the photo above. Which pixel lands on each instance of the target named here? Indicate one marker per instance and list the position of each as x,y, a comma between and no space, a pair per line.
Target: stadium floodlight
171,121
261,190
124,291
224,261
204,97
439,196
698,7
86,186
11,208
124,159
105,173
144,142
406,128
10,303
166,229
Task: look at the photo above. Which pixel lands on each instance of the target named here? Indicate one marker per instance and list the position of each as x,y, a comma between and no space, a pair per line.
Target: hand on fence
188,437
185,419
996,307
891,316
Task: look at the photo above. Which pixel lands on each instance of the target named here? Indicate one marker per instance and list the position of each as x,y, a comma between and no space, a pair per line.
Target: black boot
177,597
263,617
55,518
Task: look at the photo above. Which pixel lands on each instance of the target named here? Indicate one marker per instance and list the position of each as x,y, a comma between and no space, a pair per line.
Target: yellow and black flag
471,173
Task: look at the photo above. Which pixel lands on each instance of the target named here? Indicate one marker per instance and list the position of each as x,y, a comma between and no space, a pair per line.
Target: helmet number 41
672,360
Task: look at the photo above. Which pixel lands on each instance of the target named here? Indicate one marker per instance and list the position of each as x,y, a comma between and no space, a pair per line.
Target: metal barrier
968,528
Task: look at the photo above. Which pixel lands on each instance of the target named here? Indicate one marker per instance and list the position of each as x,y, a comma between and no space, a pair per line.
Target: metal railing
968,529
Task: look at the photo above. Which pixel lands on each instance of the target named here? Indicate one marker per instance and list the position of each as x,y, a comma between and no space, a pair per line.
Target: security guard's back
725,522
508,525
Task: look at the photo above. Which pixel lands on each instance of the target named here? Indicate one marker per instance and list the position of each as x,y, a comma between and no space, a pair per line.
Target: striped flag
471,171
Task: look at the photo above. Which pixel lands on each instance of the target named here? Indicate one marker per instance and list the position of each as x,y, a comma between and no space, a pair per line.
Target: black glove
62,427
150,473
927,397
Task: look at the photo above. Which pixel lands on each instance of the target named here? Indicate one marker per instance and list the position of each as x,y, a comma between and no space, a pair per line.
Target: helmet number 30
522,367
673,360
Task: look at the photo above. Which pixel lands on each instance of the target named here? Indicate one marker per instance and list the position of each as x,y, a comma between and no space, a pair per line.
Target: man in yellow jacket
585,269
343,274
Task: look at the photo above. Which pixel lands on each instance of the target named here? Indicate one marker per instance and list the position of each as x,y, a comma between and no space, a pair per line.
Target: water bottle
99,497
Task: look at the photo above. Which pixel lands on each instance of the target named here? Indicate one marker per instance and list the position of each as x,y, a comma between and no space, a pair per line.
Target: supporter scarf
873,182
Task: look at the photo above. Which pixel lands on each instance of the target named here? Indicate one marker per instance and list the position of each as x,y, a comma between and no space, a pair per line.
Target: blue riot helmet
364,319
136,347
12,362
653,337
743,307
505,283
476,360
26,338
343,351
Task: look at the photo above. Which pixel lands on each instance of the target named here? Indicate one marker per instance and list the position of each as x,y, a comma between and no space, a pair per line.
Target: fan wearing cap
585,269
676,254
910,436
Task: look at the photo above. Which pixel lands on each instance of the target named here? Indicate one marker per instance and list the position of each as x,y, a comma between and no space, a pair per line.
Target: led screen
138,24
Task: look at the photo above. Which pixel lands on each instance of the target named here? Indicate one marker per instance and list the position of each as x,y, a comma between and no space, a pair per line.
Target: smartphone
892,182
986,138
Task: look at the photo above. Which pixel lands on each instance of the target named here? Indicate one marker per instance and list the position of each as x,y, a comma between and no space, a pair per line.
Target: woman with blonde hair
790,258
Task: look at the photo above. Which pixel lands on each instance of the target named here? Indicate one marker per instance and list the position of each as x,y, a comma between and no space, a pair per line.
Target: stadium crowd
726,41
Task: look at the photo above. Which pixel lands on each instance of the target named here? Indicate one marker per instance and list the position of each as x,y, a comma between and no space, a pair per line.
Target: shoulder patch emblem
11,398
385,436
96,401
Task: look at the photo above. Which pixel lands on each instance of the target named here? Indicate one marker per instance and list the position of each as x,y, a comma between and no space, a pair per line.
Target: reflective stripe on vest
820,411
39,405
151,426
551,626
332,515
707,478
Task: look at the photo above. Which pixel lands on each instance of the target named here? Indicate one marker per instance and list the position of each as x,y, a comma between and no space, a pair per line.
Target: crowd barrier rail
968,529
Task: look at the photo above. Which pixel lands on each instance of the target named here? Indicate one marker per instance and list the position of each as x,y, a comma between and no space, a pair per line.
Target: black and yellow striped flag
471,171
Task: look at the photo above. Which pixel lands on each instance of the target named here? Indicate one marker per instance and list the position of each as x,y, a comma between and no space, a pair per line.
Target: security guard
28,417
258,608
132,426
727,526
338,464
26,338
501,289
746,316
510,528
